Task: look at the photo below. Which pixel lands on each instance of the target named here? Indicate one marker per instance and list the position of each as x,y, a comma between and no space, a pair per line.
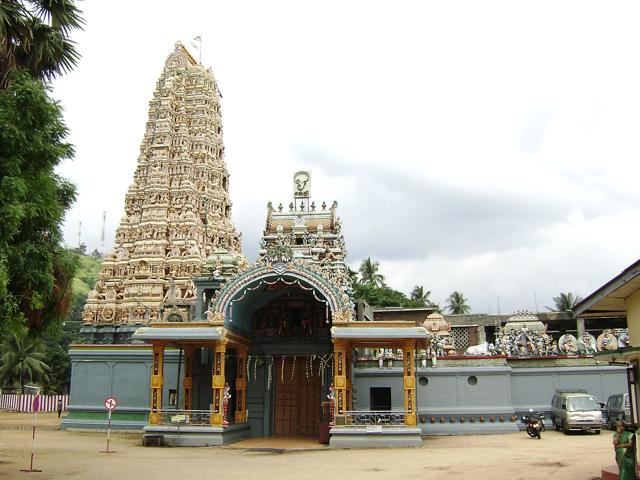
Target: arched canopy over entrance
285,311
239,299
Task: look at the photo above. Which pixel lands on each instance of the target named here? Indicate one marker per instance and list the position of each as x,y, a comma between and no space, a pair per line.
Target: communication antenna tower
79,234
104,221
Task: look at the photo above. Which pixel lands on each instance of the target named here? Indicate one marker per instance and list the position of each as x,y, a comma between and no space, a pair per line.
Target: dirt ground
76,455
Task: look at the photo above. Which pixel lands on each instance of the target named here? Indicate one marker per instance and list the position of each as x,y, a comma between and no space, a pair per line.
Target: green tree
59,335
35,271
565,302
419,297
22,358
369,273
35,36
457,303
380,296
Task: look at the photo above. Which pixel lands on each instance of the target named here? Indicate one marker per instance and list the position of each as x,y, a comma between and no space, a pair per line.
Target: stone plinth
192,436
386,437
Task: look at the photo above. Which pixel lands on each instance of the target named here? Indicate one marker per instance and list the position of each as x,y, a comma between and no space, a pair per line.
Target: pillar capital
339,344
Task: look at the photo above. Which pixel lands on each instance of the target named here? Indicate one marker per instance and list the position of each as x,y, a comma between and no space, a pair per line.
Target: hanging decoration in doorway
293,368
308,365
269,374
248,375
255,369
282,370
324,363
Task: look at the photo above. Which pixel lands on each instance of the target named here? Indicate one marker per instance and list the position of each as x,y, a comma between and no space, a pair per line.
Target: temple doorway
297,400
290,338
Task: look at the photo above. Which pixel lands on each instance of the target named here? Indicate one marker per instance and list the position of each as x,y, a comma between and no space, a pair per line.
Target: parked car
618,408
576,410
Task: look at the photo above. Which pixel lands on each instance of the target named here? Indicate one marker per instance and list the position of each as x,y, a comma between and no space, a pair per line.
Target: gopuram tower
177,210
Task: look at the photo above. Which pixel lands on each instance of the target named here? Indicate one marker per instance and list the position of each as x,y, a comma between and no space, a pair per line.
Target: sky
484,147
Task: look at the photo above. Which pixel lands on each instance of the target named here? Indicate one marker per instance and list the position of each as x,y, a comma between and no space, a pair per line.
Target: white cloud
489,147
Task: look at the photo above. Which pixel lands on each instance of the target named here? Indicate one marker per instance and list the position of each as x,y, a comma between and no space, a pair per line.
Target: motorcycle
534,423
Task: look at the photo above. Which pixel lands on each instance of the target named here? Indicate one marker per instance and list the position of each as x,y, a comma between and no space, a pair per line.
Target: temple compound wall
462,399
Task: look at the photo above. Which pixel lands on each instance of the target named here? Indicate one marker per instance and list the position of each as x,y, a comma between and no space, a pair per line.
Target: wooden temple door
297,396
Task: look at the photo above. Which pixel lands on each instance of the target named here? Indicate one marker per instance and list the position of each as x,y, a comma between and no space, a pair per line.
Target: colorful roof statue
524,319
437,325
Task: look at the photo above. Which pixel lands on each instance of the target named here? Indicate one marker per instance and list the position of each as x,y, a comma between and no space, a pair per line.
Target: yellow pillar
349,379
340,377
241,386
217,383
157,383
408,356
187,384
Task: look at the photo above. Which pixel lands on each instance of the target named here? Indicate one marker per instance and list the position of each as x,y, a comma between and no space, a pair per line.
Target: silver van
573,410
618,408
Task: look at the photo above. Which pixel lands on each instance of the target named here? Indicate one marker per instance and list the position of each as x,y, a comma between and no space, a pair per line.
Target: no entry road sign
110,403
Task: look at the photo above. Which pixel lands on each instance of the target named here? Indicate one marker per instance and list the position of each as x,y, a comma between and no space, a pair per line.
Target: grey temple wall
443,392
446,393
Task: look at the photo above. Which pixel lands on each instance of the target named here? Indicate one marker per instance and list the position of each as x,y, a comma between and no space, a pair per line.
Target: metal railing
185,417
363,418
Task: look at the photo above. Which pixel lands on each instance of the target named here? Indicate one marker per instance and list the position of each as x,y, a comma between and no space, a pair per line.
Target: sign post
110,404
36,409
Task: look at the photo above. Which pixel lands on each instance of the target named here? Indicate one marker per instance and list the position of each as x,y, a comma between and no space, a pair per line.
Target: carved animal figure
481,349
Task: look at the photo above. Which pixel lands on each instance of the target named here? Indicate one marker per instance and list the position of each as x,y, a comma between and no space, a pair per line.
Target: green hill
86,276
83,282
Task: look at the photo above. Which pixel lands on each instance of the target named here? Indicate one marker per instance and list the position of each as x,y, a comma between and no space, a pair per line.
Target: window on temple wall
380,399
224,183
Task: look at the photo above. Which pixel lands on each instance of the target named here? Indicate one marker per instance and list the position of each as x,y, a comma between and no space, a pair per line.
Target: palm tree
34,35
436,307
457,304
369,273
565,302
22,359
419,296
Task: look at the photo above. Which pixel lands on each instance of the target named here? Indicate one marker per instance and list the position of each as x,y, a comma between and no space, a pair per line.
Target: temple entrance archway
289,360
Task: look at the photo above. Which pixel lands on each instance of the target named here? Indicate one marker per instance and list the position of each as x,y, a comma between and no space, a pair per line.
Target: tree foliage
59,336
369,274
35,36
565,302
457,304
419,297
22,358
35,271
380,296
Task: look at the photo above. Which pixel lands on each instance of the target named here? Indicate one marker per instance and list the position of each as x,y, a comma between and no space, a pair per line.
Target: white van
618,408
576,410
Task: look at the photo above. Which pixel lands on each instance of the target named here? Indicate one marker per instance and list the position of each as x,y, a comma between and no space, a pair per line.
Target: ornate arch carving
337,300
